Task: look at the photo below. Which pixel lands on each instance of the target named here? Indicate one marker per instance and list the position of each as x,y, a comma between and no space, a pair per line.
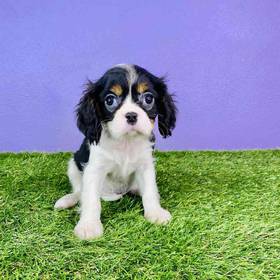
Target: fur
116,156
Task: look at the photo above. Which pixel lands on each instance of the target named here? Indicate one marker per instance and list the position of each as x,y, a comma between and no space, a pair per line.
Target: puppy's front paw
88,230
158,216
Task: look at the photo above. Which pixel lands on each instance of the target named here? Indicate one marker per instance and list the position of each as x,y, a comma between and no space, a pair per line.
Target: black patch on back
82,155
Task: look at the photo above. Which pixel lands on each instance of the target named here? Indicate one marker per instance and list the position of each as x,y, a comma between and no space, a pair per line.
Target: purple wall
222,59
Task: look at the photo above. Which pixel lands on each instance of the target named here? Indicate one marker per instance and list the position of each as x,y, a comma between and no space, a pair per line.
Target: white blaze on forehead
131,77
131,74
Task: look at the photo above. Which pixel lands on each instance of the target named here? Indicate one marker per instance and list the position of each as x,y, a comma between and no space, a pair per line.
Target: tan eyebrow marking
117,89
142,87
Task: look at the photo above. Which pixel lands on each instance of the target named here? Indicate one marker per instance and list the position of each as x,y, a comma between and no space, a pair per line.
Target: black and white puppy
117,115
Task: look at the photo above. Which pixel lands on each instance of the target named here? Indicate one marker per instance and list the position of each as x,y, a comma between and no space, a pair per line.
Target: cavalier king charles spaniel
117,115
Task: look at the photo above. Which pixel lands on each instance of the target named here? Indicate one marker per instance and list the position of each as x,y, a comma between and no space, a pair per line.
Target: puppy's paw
88,230
158,216
67,201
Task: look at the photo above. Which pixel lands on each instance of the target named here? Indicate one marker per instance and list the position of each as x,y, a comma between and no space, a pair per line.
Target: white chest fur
121,160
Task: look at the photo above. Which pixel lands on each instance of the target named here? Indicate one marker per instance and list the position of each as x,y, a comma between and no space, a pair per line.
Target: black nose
131,117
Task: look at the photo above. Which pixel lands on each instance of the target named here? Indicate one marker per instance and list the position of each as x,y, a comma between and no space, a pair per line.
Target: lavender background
222,59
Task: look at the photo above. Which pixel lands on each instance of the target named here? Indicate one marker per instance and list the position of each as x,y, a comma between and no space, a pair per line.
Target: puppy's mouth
133,133
132,130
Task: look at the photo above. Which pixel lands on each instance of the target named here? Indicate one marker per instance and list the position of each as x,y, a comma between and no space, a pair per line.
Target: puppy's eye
148,100
111,102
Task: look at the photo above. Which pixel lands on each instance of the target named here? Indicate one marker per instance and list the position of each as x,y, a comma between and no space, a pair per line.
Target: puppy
117,114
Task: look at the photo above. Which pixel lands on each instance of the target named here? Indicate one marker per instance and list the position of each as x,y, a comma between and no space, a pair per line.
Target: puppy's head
125,102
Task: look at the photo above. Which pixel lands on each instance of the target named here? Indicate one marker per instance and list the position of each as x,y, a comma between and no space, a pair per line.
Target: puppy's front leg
89,225
153,212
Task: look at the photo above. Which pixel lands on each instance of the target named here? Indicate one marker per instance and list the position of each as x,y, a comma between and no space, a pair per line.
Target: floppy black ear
88,120
167,109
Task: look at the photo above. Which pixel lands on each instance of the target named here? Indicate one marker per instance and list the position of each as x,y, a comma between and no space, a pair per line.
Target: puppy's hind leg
75,177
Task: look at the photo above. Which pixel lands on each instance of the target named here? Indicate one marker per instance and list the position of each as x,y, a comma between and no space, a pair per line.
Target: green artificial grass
226,221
